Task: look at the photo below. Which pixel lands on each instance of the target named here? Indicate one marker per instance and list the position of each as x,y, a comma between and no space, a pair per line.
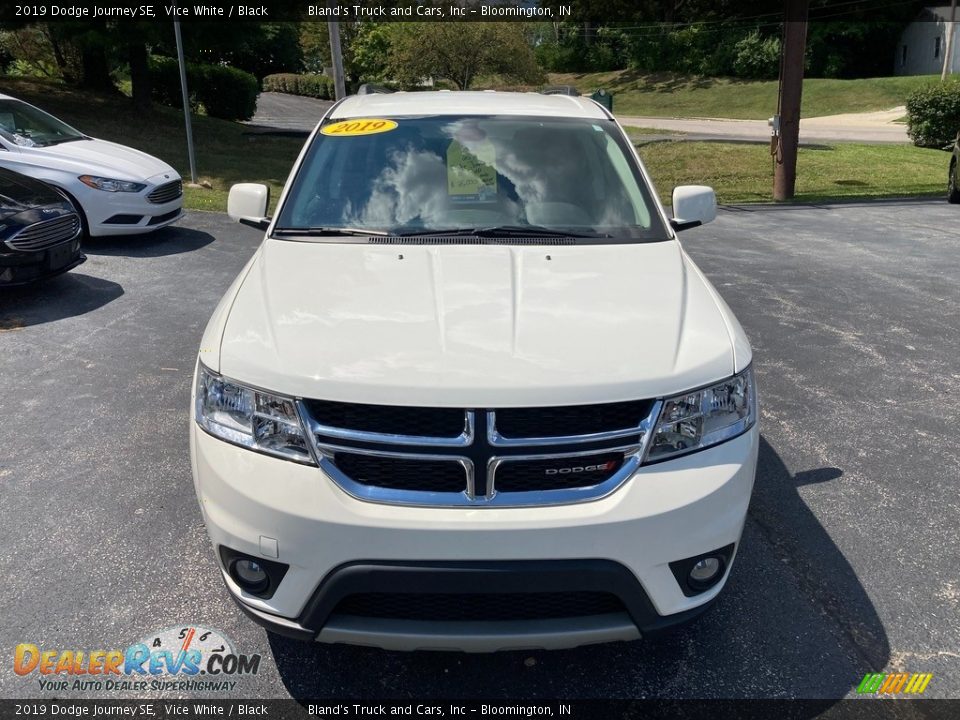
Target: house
924,42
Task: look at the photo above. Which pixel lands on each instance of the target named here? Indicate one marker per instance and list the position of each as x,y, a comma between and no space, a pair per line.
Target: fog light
255,575
705,570
250,575
699,573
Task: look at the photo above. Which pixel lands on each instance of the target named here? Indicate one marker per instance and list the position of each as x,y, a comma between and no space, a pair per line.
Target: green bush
224,92
556,57
933,114
757,57
733,50
227,92
165,81
317,86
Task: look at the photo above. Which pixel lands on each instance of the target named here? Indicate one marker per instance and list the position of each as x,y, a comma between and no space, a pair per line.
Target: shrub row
739,52
317,86
224,92
933,114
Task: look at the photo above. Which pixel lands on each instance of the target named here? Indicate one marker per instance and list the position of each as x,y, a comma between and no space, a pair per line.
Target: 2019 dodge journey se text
470,392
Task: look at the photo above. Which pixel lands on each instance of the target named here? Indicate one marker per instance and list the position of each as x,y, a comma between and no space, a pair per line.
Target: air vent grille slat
166,192
46,234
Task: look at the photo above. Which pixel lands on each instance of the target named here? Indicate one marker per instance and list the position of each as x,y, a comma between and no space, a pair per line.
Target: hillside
668,95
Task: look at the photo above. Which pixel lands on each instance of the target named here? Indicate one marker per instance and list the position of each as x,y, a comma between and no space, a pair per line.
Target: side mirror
693,205
248,203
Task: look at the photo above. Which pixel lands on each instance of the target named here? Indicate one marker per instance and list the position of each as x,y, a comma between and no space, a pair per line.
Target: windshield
27,126
423,175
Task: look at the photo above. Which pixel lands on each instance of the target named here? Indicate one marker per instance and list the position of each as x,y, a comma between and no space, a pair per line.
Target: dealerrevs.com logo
193,658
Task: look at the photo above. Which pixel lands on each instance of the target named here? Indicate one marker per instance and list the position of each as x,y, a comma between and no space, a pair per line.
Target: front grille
402,474
480,606
455,457
556,473
166,192
46,234
387,419
571,419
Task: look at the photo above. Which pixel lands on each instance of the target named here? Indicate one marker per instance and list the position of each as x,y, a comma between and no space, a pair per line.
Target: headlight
110,185
705,417
250,418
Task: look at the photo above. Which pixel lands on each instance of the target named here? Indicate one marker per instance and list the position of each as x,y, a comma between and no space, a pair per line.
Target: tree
458,52
259,48
315,46
93,41
365,47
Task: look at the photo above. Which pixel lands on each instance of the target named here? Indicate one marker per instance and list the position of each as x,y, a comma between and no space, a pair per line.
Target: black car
40,231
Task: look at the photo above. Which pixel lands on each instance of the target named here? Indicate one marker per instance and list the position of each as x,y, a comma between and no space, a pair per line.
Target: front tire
953,191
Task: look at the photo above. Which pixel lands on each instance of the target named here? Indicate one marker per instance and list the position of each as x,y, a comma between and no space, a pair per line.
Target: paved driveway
848,561
874,127
283,113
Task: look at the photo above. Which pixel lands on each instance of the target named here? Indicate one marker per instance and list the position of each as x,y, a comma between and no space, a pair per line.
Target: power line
657,28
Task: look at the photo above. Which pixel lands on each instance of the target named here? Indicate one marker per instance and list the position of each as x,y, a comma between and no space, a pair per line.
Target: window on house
936,47
903,55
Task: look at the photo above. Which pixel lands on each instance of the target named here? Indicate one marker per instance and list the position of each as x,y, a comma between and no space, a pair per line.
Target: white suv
470,392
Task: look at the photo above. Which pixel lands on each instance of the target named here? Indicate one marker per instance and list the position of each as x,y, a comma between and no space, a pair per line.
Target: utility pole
186,102
337,56
791,91
948,50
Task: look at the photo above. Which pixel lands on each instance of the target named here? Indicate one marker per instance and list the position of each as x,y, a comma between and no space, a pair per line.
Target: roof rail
560,90
373,89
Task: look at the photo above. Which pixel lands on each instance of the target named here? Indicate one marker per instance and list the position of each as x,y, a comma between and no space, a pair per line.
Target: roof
483,102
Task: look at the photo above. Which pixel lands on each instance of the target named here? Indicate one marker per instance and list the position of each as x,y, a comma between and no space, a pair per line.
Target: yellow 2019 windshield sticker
361,126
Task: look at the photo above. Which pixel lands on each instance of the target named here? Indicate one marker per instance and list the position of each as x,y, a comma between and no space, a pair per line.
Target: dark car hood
19,193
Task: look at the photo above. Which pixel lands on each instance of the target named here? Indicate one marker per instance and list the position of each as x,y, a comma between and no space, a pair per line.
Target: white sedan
119,190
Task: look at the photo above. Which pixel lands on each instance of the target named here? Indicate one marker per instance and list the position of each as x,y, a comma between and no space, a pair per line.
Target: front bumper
664,513
127,213
22,268
472,582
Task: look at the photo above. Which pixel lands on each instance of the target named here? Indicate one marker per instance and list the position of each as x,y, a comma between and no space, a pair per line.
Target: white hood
99,157
476,326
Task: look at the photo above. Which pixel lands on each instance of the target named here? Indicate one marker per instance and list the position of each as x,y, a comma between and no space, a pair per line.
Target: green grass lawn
225,153
670,95
741,172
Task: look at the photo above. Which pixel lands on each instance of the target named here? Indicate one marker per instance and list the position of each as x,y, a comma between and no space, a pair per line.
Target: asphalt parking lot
849,562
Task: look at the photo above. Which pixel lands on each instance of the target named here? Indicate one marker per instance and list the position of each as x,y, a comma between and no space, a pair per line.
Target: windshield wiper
505,231
326,231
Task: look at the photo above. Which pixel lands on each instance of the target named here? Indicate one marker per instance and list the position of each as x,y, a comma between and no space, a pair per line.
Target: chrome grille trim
46,233
464,439
496,439
632,457
166,192
390,496
326,441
